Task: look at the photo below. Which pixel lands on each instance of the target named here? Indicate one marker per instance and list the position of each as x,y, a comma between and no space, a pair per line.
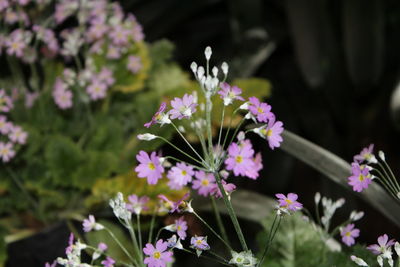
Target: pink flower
137,33
149,167
199,243
228,93
228,187
134,64
30,99
97,90
180,175
348,234
3,5
5,126
61,95
240,158
97,29
273,133
204,183
6,151
136,204
383,245
290,202
181,227
159,117
119,35
108,262
360,177
366,155
17,135
16,43
262,111
183,108
171,206
253,172
113,52
106,76
158,256
6,103
90,224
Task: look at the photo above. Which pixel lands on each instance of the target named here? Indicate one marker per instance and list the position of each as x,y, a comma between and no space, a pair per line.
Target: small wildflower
149,167
240,158
90,224
366,155
5,126
272,132
348,234
97,90
229,94
6,151
360,178
262,111
17,135
180,227
204,183
208,53
101,247
289,202
134,64
119,207
228,187
146,137
160,117
174,242
384,245
137,204
182,107
6,103
355,216
225,68
199,243
108,262
243,259
180,175
158,256
170,206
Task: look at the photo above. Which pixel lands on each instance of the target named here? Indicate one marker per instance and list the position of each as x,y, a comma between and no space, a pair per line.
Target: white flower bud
215,71
317,198
244,106
358,261
241,136
379,259
200,72
224,174
146,136
225,68
355,216
381,155
193,66
181,128
397,248
208,52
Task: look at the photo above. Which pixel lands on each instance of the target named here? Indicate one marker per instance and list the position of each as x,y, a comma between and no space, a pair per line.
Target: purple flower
240,158
113,52
159,117
348,234
108,262
228,187
183,107
290,202
158,256
273,133
54,264
180,175
3,5
6,151
360,177
136,204
171,206
150,167
228,93
199,243
106,76
102,246
17,135
119,35
90,224
383,245
30,99
204,183
97,29
5,126
61,95
366,154
15,43
6,103
134,64
97,90
181,227
262,111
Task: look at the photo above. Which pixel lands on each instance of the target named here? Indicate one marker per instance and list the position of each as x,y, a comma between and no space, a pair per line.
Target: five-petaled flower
289,202
150,167
349,233
261,111
360,178
183,107
383,247
158,256
228,93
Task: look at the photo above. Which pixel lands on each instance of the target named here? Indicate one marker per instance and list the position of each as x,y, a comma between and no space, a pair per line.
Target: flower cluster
11,136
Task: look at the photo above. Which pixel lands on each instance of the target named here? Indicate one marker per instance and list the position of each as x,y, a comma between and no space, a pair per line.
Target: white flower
193,66
356,215
317,198
244,106
397,248
215,71
119,207
381,155
225,68
146,137
379,259
200,73
208,53
243,259
358,261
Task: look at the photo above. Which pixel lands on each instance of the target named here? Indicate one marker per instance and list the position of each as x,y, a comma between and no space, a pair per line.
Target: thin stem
180,150
212,230
139,232
209,133
220,128
219,219
134,240
387,177
270,239
384,181
392,175
153,219
209,258
187,163
186,141
231,212
121,246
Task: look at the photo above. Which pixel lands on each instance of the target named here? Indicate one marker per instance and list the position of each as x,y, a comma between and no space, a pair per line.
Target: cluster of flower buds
11,136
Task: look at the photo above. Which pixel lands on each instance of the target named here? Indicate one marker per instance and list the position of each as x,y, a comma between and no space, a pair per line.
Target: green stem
392,175
219,219
212,230
139,232
184,153
121,246
209,133
231,212
220,128
203,256
270,239
138,252
187,163
386,182
153,219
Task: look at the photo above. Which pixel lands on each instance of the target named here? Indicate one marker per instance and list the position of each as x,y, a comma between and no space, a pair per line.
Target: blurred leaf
168,78
160,53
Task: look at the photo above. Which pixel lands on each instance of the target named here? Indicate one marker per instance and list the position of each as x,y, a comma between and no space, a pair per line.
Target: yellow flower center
348,234
184,172
260,110
15,45
179,228
288,201
231,95
97,89
269,133
361,177
199,241
239,159
157,255
205,182
151,166
4,151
